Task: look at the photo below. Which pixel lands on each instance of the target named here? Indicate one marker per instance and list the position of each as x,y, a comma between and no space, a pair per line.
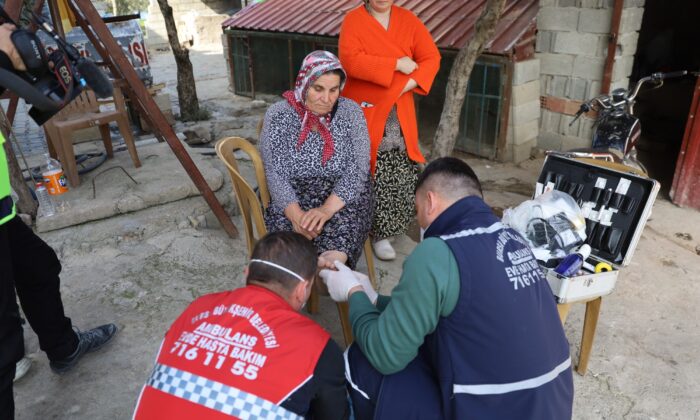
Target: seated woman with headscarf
315,148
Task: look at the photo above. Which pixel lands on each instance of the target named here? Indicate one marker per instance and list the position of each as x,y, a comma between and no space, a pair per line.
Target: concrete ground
117,187
141,269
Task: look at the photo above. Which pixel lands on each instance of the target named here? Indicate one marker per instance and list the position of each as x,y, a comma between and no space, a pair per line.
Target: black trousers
31,268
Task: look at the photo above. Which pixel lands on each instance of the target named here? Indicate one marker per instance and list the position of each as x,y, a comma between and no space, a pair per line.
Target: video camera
51,81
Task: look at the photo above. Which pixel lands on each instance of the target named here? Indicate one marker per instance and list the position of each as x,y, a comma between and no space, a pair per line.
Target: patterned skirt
394,192
346,231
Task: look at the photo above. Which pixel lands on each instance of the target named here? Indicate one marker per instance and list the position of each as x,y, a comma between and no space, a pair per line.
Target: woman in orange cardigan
389,54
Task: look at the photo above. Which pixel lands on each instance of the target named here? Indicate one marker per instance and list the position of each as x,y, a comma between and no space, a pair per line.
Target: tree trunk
448,128
186,89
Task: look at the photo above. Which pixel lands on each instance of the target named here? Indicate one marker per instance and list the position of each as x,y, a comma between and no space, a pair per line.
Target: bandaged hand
339,282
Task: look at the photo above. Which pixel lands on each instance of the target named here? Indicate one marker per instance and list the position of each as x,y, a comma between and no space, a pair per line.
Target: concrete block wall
197,21
524,117
572,45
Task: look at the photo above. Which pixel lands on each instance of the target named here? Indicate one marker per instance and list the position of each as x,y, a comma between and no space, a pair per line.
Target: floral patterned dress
296,174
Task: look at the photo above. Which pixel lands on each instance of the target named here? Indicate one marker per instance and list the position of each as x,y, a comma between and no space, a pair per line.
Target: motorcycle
617,130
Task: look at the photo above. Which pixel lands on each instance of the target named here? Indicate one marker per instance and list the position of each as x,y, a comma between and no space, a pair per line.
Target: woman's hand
314,219
294,214
406,65
410,85
324,262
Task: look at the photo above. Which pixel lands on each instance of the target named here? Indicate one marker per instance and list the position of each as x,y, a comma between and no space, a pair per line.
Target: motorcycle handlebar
656,77
585,107
673,74
605,101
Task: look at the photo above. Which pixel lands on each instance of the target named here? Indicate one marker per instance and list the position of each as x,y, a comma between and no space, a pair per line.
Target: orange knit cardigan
368,53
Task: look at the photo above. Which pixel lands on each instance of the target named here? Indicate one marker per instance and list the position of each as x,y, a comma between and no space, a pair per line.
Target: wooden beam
13,8
92,24
56,18
506,95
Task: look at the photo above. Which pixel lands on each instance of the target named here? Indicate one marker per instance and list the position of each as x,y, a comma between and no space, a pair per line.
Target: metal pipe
612,45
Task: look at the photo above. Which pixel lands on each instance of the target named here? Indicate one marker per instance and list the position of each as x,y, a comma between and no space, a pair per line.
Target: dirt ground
141,269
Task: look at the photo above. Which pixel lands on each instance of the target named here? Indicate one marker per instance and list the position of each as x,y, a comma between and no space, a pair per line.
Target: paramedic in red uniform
249,353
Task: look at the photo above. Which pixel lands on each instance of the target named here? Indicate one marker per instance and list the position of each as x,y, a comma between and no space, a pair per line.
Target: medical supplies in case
616,205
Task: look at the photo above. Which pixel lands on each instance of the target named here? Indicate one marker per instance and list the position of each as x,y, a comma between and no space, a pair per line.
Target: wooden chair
84,112
252,214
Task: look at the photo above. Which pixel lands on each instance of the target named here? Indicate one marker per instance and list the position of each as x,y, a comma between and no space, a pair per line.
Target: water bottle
55,182
46,206
573,262
54,179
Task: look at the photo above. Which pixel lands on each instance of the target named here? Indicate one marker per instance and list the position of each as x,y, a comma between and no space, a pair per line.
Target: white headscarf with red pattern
315,65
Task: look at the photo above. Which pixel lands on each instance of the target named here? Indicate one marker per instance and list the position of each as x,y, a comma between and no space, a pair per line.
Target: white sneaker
383,250
21,368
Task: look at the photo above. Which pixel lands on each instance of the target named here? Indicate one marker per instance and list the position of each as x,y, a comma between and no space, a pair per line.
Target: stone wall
572,45
524,117
198,21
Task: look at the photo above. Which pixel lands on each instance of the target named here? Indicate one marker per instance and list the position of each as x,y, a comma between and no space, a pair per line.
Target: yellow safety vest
7,206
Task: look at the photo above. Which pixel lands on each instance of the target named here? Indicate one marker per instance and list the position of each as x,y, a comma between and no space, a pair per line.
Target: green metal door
479,124
240,59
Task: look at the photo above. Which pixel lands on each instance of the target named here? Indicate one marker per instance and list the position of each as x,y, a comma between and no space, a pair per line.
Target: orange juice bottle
54,179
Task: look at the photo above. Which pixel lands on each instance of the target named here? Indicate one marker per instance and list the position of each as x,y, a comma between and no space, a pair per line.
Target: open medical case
616,205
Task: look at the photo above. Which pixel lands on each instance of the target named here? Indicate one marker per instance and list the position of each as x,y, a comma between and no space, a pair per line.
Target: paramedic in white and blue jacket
470,332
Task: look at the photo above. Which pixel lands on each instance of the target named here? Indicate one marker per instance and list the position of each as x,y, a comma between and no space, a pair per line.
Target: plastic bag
552,223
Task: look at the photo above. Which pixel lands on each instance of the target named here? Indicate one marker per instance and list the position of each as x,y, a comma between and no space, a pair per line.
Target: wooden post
563,309
92,24
590,322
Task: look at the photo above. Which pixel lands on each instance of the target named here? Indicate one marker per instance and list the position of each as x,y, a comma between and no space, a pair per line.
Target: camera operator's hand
8,47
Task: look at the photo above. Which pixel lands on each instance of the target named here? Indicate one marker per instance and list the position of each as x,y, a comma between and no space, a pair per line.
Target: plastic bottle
46,206
573,262
55,182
